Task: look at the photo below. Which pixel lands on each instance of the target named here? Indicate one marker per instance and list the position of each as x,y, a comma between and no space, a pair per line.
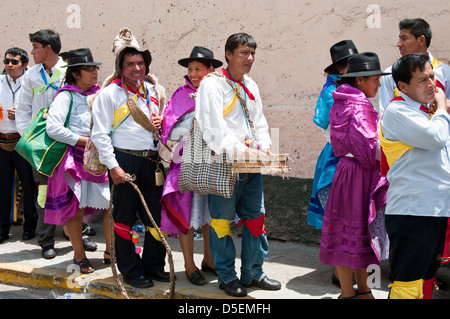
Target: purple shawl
353,122
176,207
61,203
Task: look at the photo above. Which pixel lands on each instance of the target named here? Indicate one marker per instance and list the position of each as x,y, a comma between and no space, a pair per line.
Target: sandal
107,261
85,266
357,293
351,297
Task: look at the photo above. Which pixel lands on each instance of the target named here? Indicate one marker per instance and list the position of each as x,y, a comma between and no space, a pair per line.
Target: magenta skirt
345,238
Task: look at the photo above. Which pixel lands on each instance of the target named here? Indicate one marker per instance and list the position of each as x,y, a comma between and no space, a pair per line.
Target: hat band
340,54
363,66
80,60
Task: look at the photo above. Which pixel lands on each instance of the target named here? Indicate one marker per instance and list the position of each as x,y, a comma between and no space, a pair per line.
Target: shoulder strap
244,104
70,109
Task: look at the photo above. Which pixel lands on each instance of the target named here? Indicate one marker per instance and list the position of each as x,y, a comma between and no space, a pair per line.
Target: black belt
148,153
9,136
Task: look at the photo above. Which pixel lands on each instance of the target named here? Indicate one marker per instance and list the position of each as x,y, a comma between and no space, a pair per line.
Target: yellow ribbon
154,232
231,104
406,289
221,227
42,195
393,150
123,111
53,79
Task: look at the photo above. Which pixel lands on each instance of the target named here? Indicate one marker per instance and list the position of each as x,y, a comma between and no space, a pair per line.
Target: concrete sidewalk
294,264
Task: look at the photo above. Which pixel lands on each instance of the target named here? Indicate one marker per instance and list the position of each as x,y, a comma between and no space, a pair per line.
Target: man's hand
157,121
12,113
117,174
441,100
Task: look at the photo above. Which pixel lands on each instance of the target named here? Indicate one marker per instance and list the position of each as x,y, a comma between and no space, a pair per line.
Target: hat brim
364,73
336,62
215,63
78,64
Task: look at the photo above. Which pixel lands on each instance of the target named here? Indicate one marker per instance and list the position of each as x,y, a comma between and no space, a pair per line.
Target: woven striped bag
203,171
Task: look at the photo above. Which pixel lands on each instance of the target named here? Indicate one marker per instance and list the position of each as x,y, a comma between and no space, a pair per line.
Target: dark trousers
128,206
45,232
416,242
8,162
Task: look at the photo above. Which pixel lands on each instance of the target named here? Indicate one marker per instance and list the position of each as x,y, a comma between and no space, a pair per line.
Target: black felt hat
201,54
80,57
340,51
363,64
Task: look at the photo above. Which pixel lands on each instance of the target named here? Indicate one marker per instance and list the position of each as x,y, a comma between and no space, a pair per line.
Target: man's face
133,67
407,43
241,59
14,70
39,52
422,87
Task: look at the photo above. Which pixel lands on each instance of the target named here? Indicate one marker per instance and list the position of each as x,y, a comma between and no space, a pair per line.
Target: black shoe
163,276
88,244
196,278
140,282
3,238
27,235
206,268
265,284
48,252
234,288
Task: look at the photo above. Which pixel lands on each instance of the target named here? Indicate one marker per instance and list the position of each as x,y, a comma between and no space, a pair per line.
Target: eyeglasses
90,68
12,61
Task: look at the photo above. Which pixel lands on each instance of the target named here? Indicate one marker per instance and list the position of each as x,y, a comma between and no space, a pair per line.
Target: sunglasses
12,61
91,68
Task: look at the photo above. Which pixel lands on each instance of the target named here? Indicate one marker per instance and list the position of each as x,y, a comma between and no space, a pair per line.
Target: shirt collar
57,66
410,101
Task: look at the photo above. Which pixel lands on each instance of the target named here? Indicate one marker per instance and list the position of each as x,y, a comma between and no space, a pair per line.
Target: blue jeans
248,203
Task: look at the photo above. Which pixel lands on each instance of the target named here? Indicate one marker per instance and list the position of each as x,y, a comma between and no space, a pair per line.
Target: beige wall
293,39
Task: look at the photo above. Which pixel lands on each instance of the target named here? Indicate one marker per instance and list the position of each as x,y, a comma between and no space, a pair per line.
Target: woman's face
88,77
369,85
196,72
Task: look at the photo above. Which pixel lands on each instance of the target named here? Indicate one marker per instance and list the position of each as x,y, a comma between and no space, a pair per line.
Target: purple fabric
72,87
357,193
61,203
176,207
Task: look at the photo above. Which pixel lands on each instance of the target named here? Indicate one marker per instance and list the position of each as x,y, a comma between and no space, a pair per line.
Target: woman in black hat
73,194
357,194
183,213
327,162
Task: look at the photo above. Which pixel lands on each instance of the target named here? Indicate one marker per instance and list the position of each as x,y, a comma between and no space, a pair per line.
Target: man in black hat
125,146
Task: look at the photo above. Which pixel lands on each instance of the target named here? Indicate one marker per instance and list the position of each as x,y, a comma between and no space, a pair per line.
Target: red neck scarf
247,91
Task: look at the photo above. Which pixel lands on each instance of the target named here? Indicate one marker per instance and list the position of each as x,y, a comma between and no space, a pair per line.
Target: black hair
236,40
336,67
205,63
417,27
18,51
403,68
70,78
347,80
47,37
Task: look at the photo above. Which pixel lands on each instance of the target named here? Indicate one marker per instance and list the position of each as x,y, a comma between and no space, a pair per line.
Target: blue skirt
323,176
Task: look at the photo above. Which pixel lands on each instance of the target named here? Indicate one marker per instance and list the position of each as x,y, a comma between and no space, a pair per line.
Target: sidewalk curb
22,274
